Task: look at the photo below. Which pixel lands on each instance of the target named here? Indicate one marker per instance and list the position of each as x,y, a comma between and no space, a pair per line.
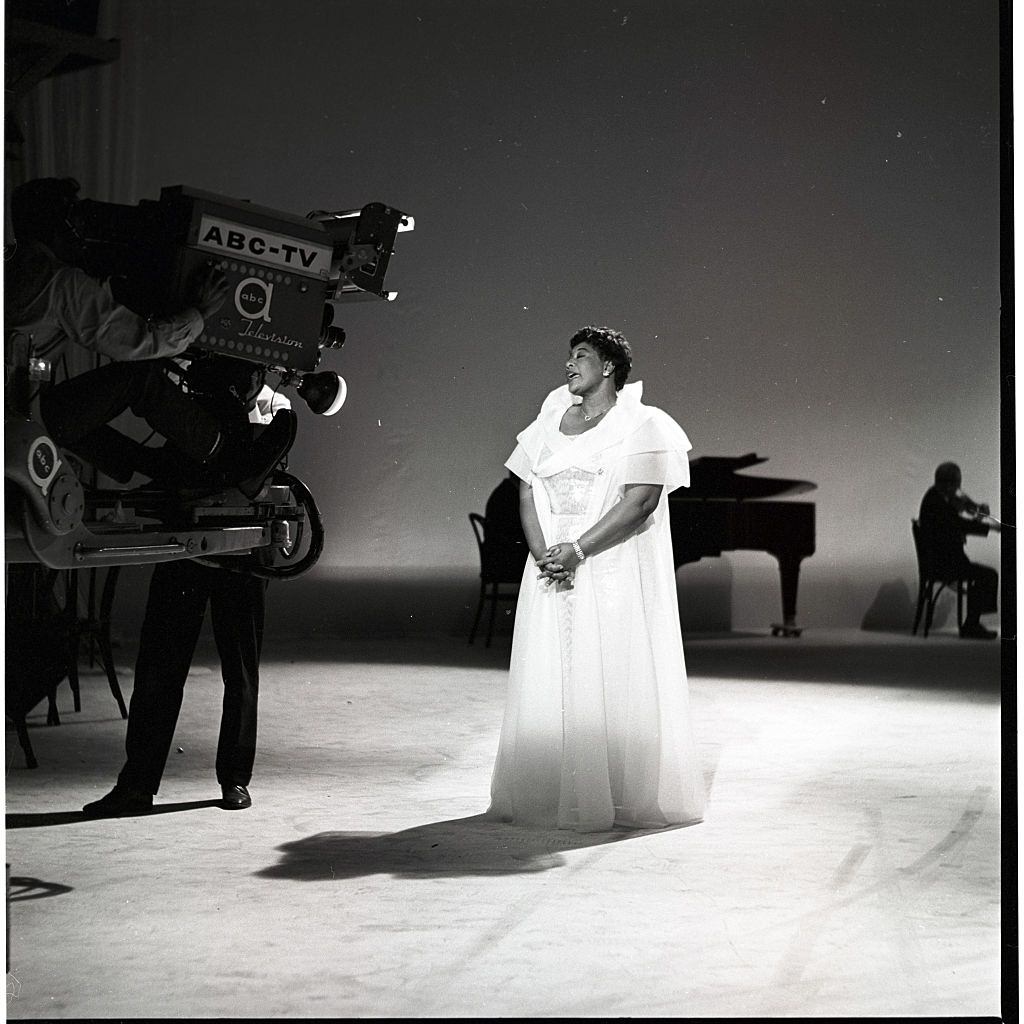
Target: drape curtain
82,125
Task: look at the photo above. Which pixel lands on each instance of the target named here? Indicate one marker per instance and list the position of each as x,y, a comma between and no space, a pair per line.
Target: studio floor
849,863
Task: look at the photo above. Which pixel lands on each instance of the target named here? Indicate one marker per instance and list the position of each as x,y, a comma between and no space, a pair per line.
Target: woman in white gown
596,730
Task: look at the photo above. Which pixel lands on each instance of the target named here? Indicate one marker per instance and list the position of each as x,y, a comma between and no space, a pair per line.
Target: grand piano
722,510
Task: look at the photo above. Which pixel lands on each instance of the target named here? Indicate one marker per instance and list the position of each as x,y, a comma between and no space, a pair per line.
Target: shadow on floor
20,888
461,846
936,664
50,818
940,662
375,649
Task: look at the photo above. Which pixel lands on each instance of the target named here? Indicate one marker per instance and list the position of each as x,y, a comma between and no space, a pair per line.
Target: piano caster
786,629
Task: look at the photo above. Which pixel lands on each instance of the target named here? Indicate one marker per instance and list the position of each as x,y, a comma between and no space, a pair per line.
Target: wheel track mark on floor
956,835
798,954
526,905
849,866
519,911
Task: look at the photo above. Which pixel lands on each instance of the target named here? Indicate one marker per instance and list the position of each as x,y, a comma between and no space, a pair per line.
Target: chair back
928,566
479,525
915,529
499,563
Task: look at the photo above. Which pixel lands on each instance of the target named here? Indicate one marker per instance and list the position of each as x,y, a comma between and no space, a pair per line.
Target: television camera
288,277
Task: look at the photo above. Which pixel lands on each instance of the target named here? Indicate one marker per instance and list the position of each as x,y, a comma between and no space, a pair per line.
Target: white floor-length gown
597,730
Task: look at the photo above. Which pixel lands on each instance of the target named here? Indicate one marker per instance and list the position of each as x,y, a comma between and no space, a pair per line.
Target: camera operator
55,303
179,593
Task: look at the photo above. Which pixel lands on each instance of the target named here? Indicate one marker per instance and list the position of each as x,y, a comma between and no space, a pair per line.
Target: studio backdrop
790,208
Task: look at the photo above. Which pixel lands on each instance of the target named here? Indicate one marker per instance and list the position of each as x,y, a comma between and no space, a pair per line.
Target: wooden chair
501,565
43,626
93,630
41,649
931,583
44,640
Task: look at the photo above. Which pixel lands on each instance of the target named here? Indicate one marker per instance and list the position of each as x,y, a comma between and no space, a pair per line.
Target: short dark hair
947,473
610,345
40,208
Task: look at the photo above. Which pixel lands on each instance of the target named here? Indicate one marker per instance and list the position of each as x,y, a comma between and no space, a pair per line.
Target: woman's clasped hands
558,564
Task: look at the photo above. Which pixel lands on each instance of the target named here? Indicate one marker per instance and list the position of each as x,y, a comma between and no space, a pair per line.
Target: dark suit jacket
504,538
944,532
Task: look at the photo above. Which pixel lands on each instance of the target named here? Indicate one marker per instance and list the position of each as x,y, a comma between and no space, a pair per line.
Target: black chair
41,649
501,565
44,640
93,630
931,582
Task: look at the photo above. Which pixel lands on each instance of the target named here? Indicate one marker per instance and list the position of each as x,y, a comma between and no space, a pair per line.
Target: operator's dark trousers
76,412
178,595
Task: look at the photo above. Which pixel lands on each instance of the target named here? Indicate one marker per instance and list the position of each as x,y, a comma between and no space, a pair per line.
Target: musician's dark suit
504,531
944,532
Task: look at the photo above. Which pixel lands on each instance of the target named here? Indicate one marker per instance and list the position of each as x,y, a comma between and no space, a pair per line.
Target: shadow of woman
461,846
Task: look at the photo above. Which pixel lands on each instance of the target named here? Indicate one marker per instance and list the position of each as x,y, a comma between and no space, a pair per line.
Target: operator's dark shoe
976,631
120,802
247,464
236,798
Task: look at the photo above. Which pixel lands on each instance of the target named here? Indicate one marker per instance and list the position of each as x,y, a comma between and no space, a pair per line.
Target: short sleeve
530,442
519,463
656,453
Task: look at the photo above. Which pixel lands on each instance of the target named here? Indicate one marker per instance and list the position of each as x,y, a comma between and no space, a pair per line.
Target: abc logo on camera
252,298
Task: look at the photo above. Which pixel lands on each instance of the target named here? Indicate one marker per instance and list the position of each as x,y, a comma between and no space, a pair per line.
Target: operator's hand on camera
210,290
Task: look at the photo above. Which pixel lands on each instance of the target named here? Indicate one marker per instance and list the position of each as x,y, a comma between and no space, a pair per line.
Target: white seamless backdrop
790,208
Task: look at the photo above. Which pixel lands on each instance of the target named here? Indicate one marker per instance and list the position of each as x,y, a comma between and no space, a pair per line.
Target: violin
977,511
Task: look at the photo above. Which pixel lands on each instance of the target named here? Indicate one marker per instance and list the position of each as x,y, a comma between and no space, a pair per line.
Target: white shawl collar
564,452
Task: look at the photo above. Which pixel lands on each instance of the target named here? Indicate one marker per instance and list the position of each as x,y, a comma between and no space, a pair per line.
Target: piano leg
789,576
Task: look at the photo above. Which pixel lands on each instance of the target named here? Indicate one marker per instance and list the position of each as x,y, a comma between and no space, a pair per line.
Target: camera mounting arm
363,244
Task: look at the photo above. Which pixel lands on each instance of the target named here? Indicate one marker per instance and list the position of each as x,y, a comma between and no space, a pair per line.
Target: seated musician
504,530
947,516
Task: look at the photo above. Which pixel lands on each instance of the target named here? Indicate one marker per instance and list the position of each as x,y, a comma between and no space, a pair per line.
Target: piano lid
714,476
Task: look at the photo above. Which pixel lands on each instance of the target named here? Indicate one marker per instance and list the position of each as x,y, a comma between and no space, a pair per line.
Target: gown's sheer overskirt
596,731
